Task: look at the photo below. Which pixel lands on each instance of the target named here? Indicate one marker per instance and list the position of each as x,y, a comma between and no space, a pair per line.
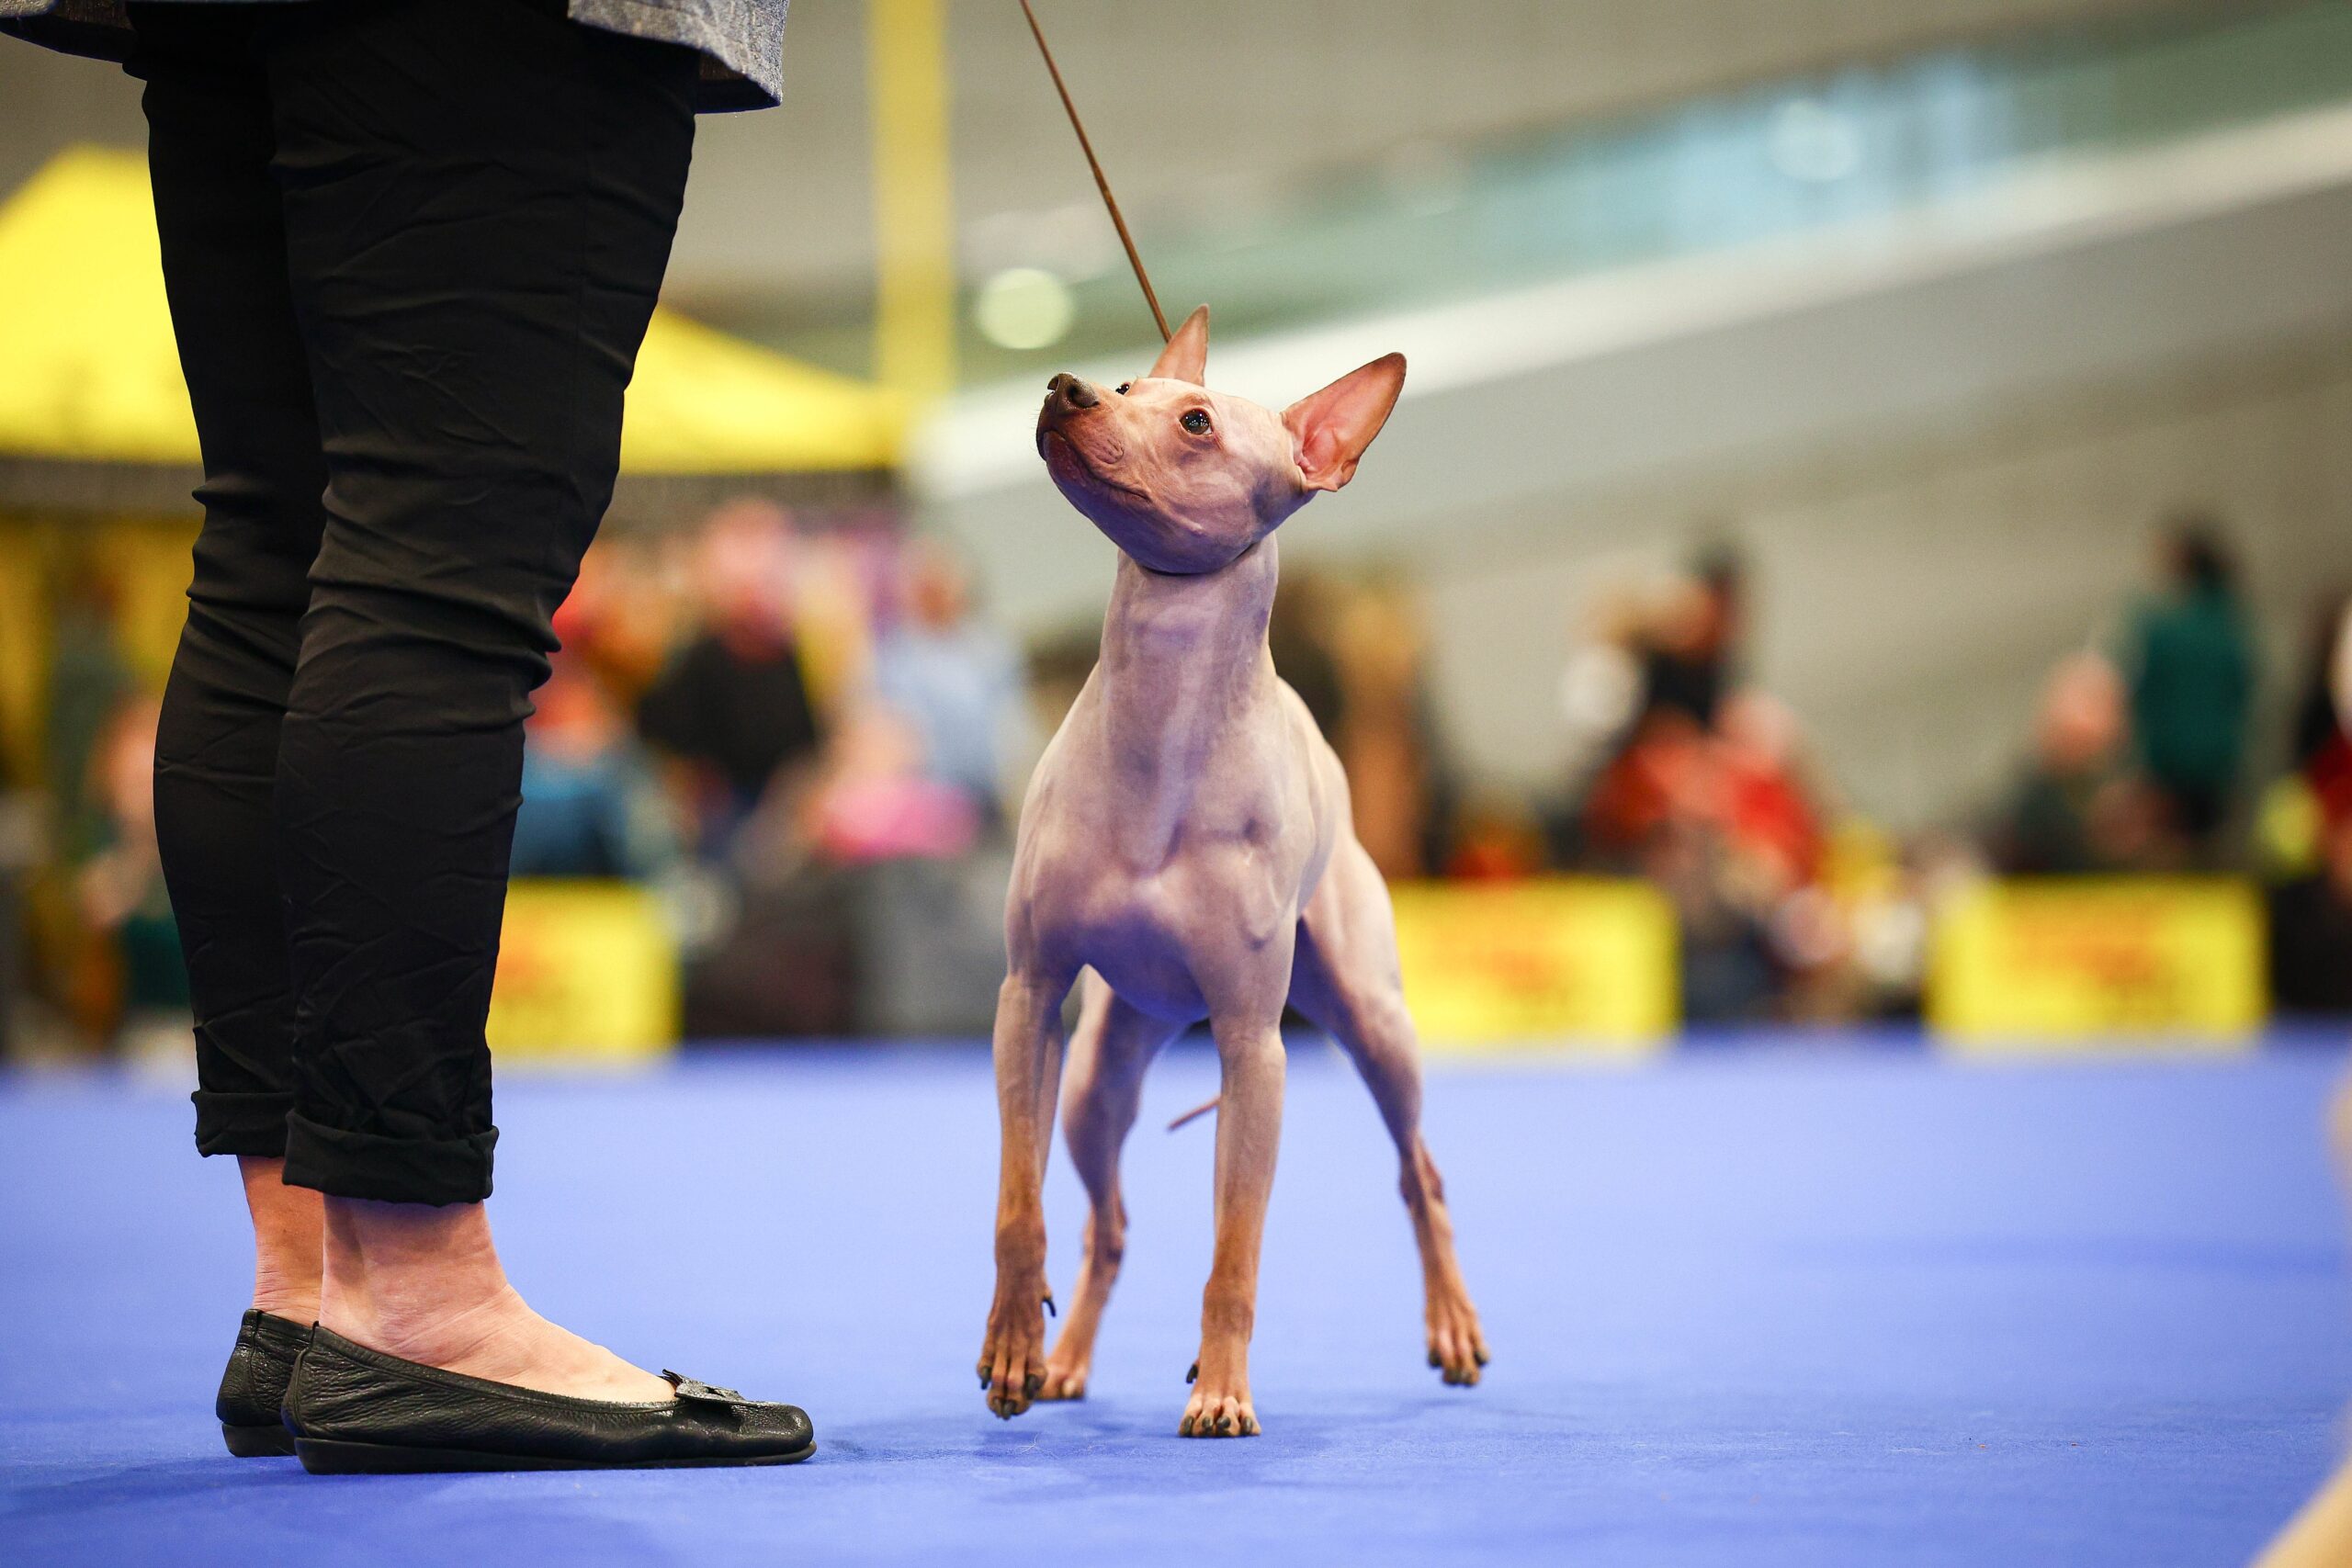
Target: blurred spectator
1386,738
1307,614
955,678
1691,648
2077,807
627,610
1728,825
1729,974
2342,669
2190,659
2322,750
733,704
2310,911
135,965
588,805
2291,811
1658,777
2310,930
1496,838
1059,666
876,800
88,682
1768,807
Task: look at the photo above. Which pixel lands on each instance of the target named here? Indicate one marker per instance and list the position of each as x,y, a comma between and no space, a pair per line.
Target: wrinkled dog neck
1178,650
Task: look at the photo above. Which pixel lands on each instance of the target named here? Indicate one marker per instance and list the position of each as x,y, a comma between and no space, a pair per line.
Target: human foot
424,1284
503,1340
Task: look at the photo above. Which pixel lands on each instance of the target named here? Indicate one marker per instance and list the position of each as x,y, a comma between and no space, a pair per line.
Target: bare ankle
288,1240
297,1301
411,1277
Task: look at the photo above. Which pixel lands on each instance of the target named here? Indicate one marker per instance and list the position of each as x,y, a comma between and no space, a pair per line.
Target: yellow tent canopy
89,373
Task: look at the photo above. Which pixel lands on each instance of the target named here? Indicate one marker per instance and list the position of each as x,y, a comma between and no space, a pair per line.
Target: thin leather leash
1158,318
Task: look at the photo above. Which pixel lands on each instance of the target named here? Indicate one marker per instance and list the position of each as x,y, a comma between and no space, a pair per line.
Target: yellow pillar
914,225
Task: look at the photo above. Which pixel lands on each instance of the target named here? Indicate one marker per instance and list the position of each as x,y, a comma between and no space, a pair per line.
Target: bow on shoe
695,1391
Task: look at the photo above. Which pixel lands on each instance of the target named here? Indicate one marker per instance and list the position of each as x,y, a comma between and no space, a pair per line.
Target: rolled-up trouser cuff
388,1170
241,1123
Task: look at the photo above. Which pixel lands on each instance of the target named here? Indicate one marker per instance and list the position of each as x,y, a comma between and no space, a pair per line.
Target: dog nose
1073,392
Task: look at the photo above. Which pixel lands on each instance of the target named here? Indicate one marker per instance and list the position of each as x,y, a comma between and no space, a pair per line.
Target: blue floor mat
1757,1308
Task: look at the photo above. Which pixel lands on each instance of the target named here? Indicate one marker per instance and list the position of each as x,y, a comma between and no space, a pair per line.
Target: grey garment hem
750,53
742,64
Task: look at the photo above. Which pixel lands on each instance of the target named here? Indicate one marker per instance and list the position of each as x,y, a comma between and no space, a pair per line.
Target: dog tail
1194,1114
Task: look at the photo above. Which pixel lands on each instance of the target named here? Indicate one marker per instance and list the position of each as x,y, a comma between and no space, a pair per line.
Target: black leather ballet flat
254,1387
356,1411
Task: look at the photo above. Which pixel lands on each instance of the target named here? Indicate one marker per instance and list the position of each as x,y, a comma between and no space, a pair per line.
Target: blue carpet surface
1755,1308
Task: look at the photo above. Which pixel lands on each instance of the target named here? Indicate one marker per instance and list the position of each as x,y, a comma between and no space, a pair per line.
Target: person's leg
223,248
480,198
288,1238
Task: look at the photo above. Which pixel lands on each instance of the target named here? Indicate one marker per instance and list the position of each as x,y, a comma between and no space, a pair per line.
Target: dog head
1185,480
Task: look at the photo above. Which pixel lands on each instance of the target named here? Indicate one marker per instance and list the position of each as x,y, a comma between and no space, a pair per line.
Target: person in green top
2190,662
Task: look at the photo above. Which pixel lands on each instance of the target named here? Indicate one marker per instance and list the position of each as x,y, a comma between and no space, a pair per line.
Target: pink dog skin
1186,846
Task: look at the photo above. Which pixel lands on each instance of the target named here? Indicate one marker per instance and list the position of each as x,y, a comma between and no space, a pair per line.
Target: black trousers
412,247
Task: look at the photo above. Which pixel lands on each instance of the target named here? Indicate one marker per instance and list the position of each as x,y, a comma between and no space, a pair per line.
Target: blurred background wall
1874,357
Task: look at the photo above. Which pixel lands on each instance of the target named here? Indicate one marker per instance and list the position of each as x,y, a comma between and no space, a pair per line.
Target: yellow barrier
1582,962
2094,961
586,970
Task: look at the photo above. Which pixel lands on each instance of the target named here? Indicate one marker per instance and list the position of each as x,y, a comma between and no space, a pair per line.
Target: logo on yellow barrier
1581,962
586,970
2095,960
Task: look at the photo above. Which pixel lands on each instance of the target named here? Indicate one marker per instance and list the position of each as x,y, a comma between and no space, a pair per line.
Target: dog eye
1196,421
1123,388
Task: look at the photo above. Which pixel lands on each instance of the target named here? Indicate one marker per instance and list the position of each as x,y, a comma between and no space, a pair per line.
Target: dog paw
1013,1358
1457,1346
1063,1381
1216,1411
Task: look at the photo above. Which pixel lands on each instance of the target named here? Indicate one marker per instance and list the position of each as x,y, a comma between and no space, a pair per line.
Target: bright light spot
1023,308
1599,689
1811,142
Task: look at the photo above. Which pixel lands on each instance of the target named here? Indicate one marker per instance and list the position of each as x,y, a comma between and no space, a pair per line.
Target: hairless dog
1187,838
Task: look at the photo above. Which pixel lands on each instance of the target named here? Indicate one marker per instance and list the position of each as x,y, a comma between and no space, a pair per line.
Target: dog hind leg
1101,1090
1346,979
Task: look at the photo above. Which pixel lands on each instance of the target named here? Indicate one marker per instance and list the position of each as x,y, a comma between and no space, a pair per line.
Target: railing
1439,223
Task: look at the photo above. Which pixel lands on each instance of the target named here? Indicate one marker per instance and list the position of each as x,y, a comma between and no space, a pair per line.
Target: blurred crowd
756,716
2144,757
770,723
1695,777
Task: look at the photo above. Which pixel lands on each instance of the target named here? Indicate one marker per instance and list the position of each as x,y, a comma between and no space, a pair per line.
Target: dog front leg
1028,1072
1249,1134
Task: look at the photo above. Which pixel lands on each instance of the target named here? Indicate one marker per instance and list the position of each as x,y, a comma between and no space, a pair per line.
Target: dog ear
1331,428
1186,357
